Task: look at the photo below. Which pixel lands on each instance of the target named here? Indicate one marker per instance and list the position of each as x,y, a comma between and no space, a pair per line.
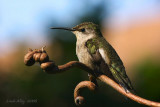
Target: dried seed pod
48,66
44,57
28,58
37,56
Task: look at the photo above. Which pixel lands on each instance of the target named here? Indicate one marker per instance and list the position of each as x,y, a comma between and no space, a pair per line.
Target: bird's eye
83,30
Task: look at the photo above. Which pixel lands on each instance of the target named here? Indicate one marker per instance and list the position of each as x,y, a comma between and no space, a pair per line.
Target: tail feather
123,81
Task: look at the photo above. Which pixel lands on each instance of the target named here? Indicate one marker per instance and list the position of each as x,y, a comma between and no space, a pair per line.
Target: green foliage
148,79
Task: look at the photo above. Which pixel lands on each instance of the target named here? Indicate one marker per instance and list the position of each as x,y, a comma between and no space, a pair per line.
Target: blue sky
22,15
23,19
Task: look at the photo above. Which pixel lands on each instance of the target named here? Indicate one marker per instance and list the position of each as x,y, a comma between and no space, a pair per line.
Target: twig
136,98
49,67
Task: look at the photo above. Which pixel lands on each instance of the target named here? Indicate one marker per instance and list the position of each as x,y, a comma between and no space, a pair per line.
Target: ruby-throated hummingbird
93,50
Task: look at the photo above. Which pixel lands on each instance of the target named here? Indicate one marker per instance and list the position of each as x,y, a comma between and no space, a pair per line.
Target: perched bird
93,50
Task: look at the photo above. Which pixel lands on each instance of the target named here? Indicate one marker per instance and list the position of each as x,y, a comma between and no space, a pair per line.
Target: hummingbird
96,52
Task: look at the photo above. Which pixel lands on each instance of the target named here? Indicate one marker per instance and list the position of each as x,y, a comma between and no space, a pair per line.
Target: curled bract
78,98
44,57
49,67
28,58
40,56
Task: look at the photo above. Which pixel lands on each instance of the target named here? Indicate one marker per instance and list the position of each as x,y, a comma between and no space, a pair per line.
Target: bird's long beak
64,28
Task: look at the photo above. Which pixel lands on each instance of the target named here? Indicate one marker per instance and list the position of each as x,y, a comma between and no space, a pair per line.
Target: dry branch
49,67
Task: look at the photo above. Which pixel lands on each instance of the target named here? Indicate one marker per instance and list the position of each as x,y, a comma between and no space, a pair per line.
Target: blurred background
132,27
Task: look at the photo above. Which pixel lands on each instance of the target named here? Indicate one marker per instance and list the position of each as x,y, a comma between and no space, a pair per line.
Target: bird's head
83,30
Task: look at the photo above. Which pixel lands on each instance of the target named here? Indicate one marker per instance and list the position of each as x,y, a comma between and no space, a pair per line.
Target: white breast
82,51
